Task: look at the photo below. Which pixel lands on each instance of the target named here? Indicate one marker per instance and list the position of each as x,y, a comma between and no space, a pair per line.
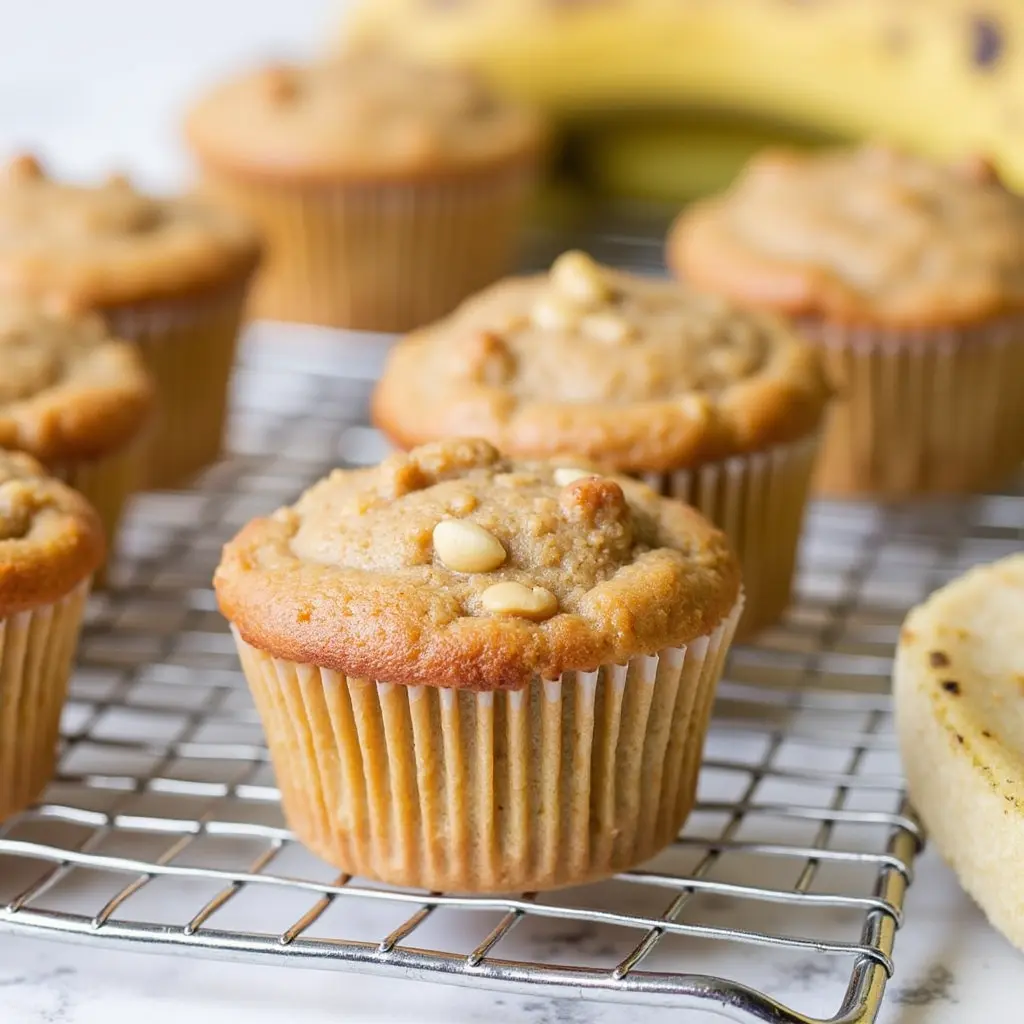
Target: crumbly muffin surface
97,246
638,373
454,566
50,538
364,113
867,234
67,389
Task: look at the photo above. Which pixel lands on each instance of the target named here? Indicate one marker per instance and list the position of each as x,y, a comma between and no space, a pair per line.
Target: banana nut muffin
170,274
50,544
76,399
480,674
706,402
387,190
909,275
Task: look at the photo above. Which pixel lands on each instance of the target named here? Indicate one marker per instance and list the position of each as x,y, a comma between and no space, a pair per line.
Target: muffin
76,399
387,191
959,670
909,277
169,274
50,544
481,675
718,407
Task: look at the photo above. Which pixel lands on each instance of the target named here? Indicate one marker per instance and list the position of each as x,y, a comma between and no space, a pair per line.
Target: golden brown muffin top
94,247
50,537
364,115
638,374
68,390
453,566
860,235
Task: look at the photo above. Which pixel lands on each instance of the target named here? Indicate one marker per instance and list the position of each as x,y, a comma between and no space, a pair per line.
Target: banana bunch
944,77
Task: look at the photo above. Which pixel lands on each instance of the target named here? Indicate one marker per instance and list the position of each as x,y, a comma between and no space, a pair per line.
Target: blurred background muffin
169,274
77,399
909,277
387,190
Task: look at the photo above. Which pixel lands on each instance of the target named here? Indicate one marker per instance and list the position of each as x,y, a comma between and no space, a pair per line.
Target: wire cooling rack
780,901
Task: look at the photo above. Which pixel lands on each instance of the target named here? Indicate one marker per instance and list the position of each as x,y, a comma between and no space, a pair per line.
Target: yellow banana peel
945,77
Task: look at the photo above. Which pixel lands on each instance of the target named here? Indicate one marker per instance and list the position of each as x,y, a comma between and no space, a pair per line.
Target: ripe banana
945,77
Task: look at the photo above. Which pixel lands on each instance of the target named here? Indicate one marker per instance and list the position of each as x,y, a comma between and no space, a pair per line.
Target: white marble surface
100,84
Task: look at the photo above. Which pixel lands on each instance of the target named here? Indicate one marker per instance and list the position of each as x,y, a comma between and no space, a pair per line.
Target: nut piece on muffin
909,275
478,674
51,542
76,399
170,274
705,402
388,190
957,683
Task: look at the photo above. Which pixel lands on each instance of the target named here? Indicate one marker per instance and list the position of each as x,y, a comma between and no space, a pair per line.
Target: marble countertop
951,969
97,85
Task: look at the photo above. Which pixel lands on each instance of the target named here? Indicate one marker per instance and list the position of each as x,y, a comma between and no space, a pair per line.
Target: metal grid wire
163,830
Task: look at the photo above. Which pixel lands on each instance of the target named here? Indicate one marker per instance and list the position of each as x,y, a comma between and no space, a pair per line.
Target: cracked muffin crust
94,247
362,114
453,566
865,235
50,537
638,374
68,390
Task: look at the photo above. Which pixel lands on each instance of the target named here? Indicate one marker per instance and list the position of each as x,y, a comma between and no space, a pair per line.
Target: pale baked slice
959,685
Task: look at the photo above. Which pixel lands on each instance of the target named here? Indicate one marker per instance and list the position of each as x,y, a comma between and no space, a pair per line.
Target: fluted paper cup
922,412
107,482
560,783
189,346
36,651
379,257
758,500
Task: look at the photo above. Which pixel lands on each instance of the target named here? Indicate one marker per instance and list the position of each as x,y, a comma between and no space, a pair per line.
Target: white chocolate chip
463,503
510,598
566,475
578,278
466,547
515,479
697,406
551,313
609,328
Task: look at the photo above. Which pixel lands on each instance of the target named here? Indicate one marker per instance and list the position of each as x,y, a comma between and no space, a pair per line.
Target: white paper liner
36,651
380,257
107,483
758,500
557,784
189,346
927,411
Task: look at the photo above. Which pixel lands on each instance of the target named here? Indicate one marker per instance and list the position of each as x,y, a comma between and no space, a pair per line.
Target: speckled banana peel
959,680
942,76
